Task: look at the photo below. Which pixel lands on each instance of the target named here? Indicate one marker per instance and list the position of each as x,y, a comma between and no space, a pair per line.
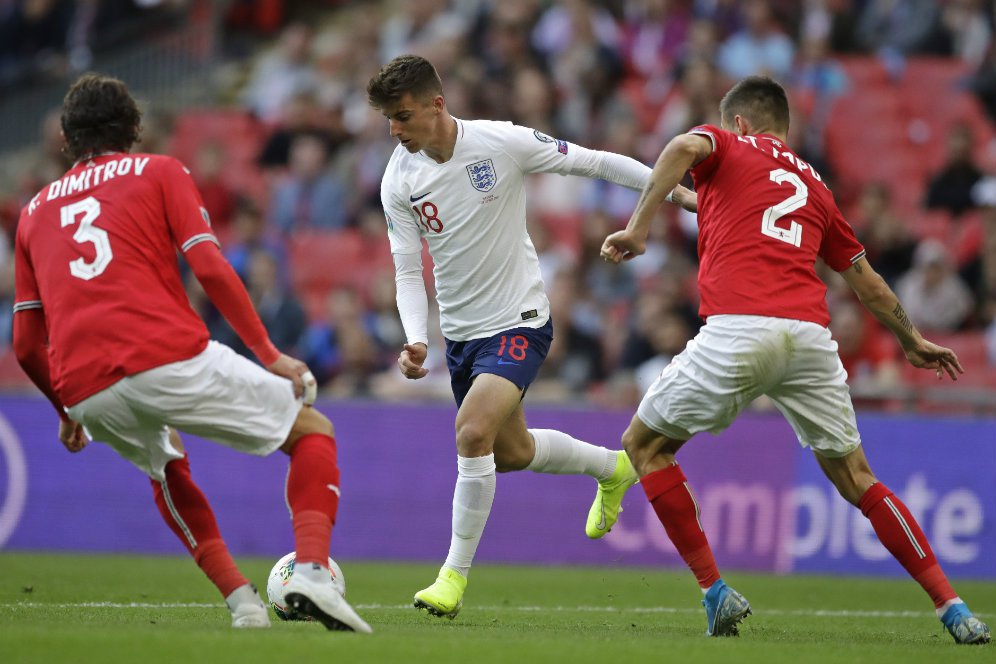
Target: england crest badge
482,175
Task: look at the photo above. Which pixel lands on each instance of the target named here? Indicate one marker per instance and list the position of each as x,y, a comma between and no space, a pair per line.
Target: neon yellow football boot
605,510
444,598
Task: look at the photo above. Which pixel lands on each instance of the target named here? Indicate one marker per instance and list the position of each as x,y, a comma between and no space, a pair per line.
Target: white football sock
560,454
472,499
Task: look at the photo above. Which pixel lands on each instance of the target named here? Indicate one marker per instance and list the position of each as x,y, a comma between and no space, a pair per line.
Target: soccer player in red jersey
103,327
764,217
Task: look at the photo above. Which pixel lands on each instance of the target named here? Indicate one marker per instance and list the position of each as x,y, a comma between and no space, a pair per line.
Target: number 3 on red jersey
89,207
793,234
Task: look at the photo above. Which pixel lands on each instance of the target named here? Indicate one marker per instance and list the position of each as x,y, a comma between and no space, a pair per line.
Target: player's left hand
296,372
411,359
72,436
927,355
622,246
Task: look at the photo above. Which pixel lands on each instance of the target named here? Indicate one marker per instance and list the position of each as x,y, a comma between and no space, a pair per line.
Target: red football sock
677,510
899,532
188,514
313,496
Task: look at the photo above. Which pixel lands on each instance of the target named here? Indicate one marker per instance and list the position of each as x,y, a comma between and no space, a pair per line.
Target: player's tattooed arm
900,315
643,197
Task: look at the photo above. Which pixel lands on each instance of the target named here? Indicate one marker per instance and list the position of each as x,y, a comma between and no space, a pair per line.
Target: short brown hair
759,99
404,74
99,114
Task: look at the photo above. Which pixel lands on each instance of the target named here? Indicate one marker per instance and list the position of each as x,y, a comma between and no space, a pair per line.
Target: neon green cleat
444,598
605,510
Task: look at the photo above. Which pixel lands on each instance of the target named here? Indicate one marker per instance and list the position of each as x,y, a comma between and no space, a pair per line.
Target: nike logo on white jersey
418,198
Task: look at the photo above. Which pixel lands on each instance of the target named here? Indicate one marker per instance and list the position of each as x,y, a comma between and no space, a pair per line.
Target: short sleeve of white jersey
402,229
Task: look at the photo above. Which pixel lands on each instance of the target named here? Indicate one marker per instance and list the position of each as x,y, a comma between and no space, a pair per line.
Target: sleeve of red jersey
191,228
186,215
29,333
719,139
840,249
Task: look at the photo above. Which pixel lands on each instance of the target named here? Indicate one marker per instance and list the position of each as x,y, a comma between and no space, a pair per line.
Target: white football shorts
218,395
734,359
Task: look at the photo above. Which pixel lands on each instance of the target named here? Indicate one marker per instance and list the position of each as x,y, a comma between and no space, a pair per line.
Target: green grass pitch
90,608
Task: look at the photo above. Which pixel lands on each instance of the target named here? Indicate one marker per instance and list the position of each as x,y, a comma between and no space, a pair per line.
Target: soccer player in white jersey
460,185
764,217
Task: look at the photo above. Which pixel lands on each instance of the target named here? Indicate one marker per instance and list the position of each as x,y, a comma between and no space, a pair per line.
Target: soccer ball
281,574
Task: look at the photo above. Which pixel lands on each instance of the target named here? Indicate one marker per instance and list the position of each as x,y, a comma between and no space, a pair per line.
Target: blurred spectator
250,234
886,238
6,292
900,27
762,47
282,73
218,197
383,318
832,21
532,102
934,296
970,28
951,188
604,283
991,343
554,257
580,41
33,38
506,49
724,14
655,34
49,162
980,273
301,115
575,359
417,25
282,315
695,101
310,196
867,351
339,350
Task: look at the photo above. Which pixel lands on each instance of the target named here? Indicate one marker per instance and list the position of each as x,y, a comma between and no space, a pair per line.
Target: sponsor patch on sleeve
561,146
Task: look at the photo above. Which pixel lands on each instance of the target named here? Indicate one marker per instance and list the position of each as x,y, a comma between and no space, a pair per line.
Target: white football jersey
471,210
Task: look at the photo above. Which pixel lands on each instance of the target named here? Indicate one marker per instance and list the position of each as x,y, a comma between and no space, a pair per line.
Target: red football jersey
96,250
764,217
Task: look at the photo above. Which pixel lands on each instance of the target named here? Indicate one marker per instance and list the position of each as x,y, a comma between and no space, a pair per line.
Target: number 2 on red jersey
793,234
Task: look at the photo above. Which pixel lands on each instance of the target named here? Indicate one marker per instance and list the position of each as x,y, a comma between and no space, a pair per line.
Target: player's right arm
879,299
680,154
413,301
30,340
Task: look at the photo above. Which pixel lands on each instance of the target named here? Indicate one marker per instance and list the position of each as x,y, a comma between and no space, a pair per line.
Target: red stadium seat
323,260
238,134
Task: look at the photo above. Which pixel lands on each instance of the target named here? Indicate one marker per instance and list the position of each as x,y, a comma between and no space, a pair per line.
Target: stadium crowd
890,100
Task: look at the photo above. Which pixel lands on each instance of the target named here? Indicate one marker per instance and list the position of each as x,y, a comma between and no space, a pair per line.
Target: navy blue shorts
514,354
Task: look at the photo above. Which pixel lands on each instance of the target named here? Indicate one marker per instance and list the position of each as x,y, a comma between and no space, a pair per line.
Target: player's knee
474,439
630,442
308,421
314,421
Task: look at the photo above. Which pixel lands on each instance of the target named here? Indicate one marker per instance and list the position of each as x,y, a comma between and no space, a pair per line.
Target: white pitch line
820,613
